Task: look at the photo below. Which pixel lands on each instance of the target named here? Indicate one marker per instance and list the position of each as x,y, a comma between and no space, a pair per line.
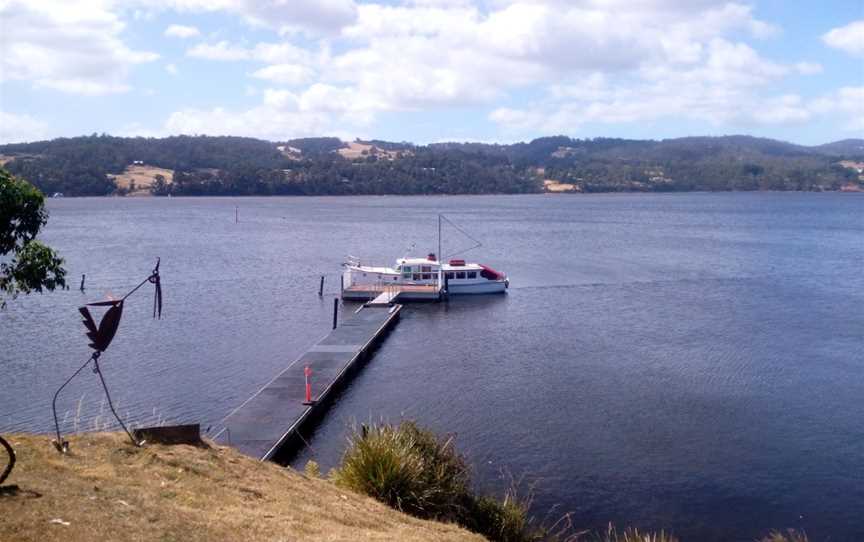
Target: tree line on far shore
203,165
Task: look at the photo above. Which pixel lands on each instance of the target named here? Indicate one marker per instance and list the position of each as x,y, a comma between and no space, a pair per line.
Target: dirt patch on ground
355,151
555,186
107,489
6,158
143,178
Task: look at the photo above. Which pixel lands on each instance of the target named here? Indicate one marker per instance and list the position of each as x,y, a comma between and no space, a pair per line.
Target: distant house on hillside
857,166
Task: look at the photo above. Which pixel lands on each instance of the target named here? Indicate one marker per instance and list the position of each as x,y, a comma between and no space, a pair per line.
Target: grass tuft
633,535
414,471
790,535
312,470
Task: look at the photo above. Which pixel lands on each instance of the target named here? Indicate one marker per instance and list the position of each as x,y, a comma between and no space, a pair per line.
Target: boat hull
475,288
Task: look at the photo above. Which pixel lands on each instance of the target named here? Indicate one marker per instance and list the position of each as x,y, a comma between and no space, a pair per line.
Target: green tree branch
33,266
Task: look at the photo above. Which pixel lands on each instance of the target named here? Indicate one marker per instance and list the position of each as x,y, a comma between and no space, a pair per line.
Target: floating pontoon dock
268,420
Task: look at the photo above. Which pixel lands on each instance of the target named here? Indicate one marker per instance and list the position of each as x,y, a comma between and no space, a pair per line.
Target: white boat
420,278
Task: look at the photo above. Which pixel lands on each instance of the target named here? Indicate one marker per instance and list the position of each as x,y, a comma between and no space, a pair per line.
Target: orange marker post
307,372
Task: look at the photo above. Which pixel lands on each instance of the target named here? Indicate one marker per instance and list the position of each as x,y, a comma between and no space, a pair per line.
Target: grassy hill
106,489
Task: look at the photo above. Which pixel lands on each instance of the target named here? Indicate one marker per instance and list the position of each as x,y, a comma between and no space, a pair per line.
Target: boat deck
390,293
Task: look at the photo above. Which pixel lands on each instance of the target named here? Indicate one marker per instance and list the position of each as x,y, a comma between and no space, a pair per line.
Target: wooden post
335,310
82,282
321,287
341,283
236,214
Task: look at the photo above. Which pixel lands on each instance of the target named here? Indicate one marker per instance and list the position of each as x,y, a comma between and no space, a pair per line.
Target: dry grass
631,534
355,150
550,185
106,489
144,176
790,535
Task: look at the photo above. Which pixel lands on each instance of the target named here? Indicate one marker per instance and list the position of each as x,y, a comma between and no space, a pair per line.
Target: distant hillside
201,165
846,148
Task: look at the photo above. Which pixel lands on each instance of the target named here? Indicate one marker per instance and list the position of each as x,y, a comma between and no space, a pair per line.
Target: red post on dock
307,372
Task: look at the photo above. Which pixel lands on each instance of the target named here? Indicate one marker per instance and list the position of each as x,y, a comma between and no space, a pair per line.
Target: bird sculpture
100,337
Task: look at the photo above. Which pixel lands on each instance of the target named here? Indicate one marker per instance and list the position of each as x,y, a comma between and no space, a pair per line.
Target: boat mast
440,255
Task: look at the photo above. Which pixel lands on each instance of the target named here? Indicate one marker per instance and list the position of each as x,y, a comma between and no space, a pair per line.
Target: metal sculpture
10,464
100,338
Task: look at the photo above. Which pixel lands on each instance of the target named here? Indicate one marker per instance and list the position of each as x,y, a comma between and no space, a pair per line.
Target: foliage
244,166
632,535
33,266
312,470
316,145
412,470
790,535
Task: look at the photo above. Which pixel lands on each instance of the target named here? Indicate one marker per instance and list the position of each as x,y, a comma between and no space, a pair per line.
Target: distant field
355,151
143,177
6,158
555,186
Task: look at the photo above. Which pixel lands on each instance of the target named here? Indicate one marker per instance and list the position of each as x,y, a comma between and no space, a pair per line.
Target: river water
693,362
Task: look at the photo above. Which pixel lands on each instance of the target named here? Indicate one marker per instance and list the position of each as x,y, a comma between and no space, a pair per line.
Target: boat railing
351,279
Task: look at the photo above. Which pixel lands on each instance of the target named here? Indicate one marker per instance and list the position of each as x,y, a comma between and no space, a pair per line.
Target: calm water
690,361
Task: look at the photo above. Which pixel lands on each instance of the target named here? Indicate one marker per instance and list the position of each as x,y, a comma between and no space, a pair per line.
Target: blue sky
432,70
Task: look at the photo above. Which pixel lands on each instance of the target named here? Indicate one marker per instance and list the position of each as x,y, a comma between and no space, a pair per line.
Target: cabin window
394,278
451,275
406,275
406,269
460,275
472,274
427,276
417,276
426,268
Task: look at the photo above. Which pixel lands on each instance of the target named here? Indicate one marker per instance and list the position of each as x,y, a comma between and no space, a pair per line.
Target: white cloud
601,61
808,68
849,38
181,31
730,84
20,128
218,51
262,52
309,16
847,103
283,114
171,69
285,74
73,47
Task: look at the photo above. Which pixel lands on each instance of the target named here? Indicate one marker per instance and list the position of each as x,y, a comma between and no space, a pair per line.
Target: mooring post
341,284
446,287
335,310
321,287
82,282
236,214
307,372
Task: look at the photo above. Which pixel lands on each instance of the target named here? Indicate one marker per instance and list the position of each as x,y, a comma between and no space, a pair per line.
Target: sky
432,70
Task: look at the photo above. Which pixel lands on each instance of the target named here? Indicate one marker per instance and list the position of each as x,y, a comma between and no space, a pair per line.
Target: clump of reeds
413,470
631,534
406,468
790,535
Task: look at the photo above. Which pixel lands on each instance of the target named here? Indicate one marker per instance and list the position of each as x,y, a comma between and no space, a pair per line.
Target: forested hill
201,165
